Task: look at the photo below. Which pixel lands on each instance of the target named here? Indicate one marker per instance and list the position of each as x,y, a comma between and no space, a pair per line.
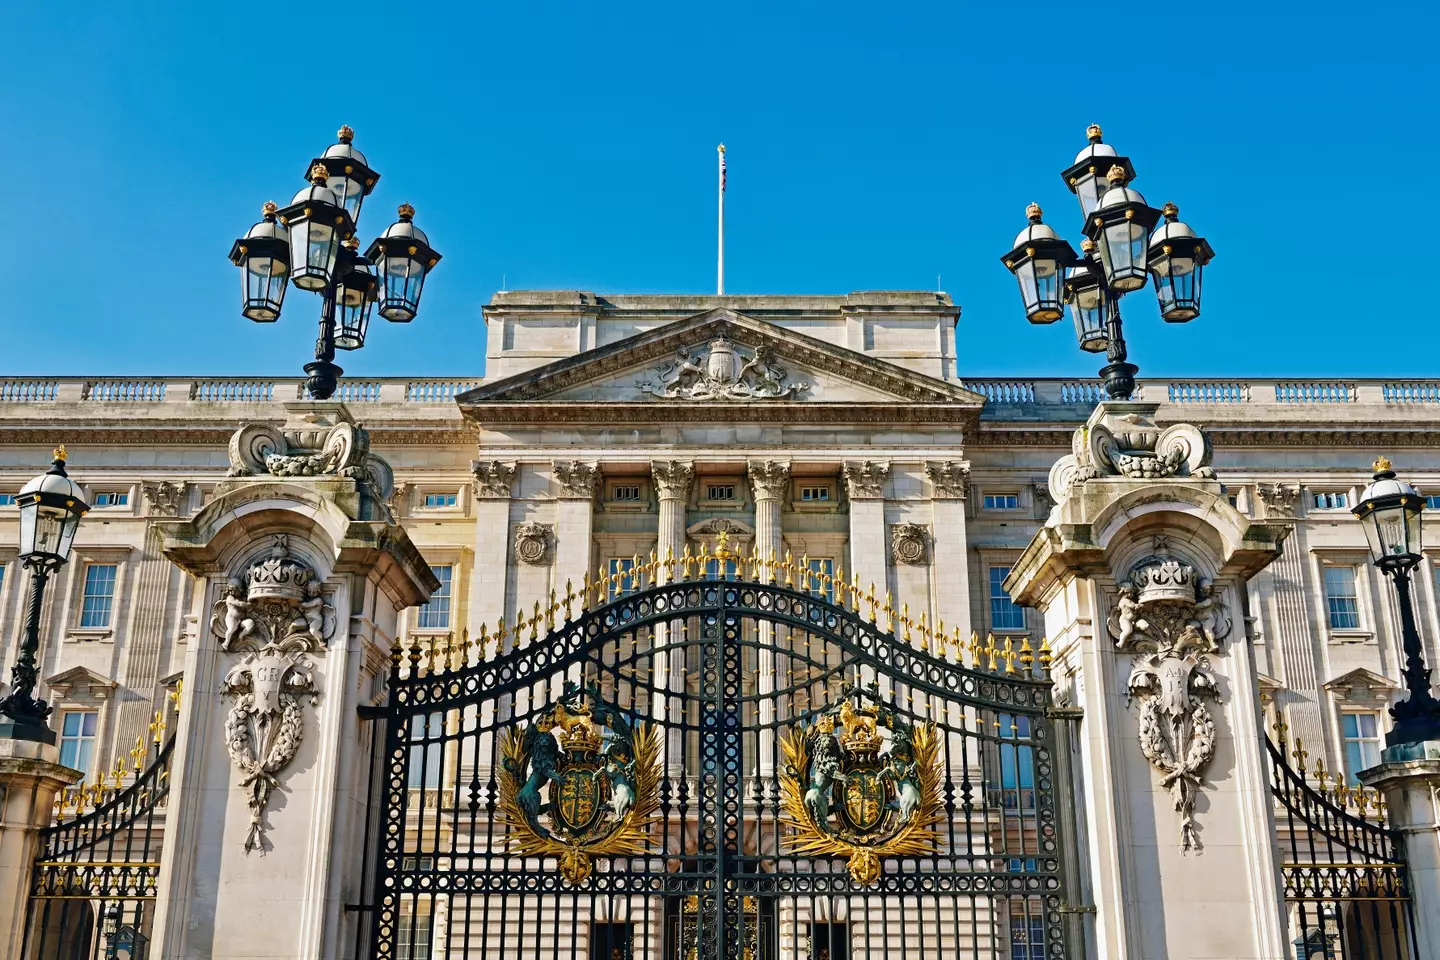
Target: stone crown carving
532,542
1279,499
866,480
491,479
166,498
950,480
769,479
578,481
673,478
721,371
909,542
1121,439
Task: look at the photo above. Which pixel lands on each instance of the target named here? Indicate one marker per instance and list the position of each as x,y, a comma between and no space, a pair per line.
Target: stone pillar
491,485
865,487
30,780
1409,779
574,523
949,487
1140,572
673,479
301,584
769,481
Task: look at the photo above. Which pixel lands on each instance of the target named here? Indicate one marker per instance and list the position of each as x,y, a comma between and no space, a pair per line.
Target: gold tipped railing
108,784
1366,802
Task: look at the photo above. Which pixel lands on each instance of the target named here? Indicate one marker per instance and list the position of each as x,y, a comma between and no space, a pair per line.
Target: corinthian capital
673,478
492,479
950,479
865,479
769,478
578,481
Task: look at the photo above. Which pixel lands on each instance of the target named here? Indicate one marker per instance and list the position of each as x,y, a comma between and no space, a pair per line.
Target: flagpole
720,245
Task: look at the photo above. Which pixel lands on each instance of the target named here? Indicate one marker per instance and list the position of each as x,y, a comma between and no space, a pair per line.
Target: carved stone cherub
1127,614
237,625
312,612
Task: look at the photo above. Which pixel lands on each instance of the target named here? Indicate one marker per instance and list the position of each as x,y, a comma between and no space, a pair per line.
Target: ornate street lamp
311,242
51,506
1389,510
1123,249
1038,262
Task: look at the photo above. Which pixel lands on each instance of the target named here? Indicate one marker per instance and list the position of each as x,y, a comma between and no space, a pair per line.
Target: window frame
93,739
97,496
991,584
986,505
641,504
1345,494
1330,611
1377,740
84,596
448,586
450,500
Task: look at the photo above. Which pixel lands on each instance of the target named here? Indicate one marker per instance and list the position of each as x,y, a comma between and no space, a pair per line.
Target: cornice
992,434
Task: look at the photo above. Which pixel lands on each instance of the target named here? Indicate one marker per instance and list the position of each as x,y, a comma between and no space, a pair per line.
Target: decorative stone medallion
909,542
532,542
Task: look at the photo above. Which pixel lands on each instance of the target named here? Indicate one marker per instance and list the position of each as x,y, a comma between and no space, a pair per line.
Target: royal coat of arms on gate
580,781
851,791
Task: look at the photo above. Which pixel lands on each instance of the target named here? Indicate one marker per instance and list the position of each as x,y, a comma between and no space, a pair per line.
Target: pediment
81,683
720,359
1361,680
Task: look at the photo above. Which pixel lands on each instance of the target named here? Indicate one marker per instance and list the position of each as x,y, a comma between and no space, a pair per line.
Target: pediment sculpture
273,617
721,371
1172,620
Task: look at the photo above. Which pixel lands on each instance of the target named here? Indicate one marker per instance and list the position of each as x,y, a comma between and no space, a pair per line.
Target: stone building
841,432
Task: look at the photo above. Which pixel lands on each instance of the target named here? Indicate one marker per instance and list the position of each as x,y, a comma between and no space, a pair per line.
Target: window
77,739
1361,732
422,864
1341,605
1017,762
434,501
435,614
1331,501
1004,615
412,933
815,494
99,595
611,941
7,499
112,499
712,569
625,492
822,567
720,491
1002,501
1027,933
623,569
427,750
1431,503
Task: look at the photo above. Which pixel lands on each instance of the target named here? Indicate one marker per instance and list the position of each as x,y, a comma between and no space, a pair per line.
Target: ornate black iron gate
712,766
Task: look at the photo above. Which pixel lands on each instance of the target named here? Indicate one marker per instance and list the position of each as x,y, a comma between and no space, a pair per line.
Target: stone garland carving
673,478
721,372
1172,620
273,617
950,480
491,479
259,448
532,542
1121,440
166,498
769,479
578,481
866,480
909,542
1280,499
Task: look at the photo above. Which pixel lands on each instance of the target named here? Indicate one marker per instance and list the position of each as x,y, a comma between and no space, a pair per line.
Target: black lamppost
1389,510
51,506
311,242
1123,247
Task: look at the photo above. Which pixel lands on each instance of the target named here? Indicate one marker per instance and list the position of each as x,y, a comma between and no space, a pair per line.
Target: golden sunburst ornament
848,793
580,782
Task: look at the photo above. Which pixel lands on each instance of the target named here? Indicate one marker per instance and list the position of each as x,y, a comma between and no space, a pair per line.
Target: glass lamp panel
1089,189
1090,320
1175,280
404,278
317,244
1122,249
27,529
1025,276
48,532
70,523
351,323
1412,527
264,290
352,195
1048,306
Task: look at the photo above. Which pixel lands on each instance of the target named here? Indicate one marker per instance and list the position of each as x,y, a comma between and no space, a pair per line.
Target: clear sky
871,146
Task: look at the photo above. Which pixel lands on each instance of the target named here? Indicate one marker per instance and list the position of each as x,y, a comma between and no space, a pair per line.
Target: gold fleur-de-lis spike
519,629
174,695
550,612
569,597
584,591
535,619
1027,656
59,807
871,607
804,570
1301,755
465,646
157,726
992,652
500,633
432,655
789,569
137,754
1381,808
958,643
1009,655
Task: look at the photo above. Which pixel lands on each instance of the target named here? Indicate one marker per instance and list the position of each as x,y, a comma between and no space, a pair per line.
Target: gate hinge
1074,714
370,712
1083,908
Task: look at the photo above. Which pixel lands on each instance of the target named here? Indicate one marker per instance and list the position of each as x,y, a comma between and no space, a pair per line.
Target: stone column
1409,779
769,481
30,780
1140,572
949,487
673,479
865,487
302,580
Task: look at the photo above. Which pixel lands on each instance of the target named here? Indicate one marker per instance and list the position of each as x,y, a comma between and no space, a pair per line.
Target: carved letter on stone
1172,621
274,617
866,480
532,542
578,481
721,372
950,480
492,479
1279,499
673,478
909,542
769,479
165,498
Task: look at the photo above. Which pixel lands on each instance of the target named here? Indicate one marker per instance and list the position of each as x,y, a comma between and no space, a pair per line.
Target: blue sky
870,146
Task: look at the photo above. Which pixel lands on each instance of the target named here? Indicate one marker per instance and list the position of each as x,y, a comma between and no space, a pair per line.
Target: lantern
1120,226
318,223
51,506
1086,176
403,256
1090,302
1389,511
263,256
348,174
354,293
1038,262
1177,258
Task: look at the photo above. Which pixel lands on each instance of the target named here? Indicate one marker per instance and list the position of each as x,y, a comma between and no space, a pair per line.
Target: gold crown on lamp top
1381,464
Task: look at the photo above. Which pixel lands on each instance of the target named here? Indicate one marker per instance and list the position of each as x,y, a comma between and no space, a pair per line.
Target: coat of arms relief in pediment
721,370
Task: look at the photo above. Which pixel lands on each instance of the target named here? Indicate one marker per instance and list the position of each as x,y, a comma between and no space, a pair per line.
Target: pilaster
769,483
949,488
576,484
491,485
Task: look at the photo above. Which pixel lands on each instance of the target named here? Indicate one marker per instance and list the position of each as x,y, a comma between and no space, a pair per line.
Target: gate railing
94,881
1346,883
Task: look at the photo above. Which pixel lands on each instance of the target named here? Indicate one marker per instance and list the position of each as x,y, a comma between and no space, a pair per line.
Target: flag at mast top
720,238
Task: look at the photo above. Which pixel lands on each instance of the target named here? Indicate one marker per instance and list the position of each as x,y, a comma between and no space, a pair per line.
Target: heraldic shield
579,782
862,783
